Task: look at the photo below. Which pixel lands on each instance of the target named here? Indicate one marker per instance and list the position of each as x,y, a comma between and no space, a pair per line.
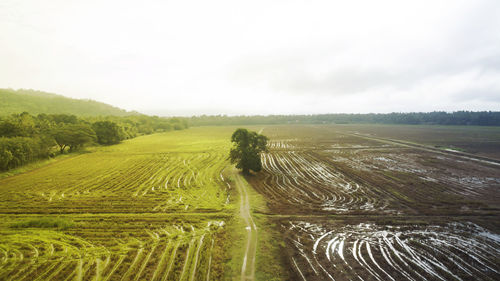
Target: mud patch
367,251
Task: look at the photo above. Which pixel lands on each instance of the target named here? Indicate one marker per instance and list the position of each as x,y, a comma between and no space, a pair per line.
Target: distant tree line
479,118
26,138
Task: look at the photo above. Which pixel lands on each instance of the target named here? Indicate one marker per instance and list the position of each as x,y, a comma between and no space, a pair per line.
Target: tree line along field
354,206
150,208
26,138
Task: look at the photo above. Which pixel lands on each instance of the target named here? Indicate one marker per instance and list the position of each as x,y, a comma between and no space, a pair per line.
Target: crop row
299,178
157,182
473,179
126,251
345,174
341,175
150,208
455,251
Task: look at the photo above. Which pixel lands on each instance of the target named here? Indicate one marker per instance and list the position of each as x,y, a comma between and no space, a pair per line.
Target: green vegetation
37,102
151,208
270,261
25,138
73,136
164,206
104,247
108,132
246,151
178,171
480,118
45,222
50,125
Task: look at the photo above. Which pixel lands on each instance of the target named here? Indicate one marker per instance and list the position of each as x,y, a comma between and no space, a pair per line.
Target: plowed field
358,206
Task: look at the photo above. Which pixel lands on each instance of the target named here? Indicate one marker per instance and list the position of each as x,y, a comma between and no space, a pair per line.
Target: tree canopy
479,118
247,146
108,132
25,138
73,136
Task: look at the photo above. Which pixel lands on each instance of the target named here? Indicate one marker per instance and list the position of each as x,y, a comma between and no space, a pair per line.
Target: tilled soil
408,213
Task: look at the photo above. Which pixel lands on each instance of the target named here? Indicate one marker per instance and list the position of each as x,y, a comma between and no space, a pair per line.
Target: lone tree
246,151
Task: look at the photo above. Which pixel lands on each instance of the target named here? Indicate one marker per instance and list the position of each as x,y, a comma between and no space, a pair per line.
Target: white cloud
257,57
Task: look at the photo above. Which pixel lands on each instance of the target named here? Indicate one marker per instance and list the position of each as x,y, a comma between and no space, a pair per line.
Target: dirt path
248,267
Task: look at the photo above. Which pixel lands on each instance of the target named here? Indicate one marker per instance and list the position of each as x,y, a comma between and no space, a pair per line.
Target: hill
35,102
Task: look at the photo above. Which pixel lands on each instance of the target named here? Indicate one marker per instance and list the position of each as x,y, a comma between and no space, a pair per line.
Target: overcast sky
257,57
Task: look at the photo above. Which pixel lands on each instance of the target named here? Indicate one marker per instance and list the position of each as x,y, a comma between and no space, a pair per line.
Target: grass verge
269,258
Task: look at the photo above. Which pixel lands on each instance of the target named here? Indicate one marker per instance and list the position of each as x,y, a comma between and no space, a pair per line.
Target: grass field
175,171
151,208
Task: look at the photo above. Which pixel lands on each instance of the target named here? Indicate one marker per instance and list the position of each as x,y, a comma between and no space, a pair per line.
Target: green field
177,171
151,208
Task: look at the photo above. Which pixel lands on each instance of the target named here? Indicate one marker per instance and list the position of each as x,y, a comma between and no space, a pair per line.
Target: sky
257,57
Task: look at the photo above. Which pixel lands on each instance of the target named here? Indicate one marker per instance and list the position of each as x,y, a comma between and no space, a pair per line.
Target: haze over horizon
258,57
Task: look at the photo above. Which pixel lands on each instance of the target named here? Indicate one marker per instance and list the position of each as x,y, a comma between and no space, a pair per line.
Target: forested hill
36,102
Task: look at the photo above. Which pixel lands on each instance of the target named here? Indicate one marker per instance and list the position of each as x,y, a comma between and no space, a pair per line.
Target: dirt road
248,267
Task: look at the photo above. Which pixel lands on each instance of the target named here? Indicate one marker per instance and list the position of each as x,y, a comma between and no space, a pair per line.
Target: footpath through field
248,267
